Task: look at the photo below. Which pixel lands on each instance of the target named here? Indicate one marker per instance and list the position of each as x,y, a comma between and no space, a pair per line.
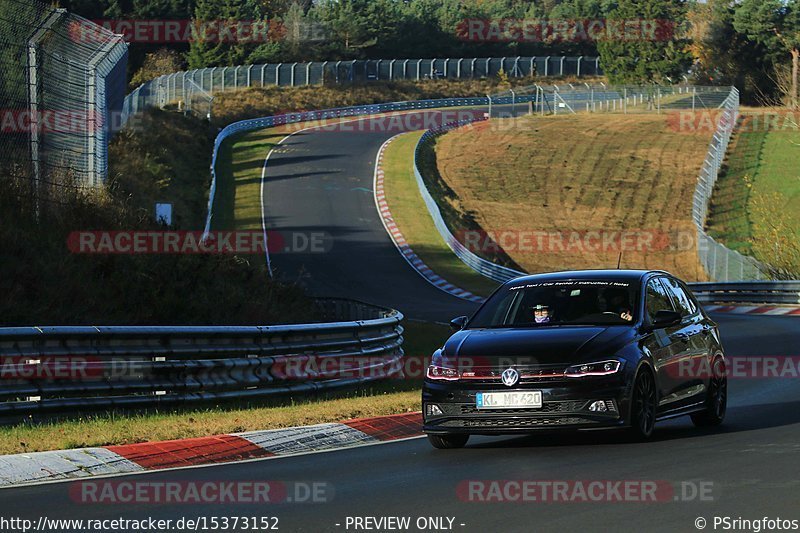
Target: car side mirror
665,318
458,323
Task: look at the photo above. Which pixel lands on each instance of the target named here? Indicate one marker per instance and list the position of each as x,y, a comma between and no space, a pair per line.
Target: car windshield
553,303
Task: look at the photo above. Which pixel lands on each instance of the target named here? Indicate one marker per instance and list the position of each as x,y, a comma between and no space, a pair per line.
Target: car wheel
643,405
448,442
716,399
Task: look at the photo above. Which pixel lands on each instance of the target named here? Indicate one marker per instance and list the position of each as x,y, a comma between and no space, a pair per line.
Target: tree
216,49
651,58
776,25
163,61
724,56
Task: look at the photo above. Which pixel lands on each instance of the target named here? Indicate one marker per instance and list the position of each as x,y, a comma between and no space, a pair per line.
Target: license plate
509,400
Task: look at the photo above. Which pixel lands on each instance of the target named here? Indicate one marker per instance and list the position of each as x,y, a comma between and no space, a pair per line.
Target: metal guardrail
766,292
480,265
69,369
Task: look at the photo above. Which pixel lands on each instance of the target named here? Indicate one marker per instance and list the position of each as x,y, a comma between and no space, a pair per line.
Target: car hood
545,345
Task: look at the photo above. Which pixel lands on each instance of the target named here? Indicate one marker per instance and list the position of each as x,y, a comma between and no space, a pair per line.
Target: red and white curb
400,242
770,310
40,467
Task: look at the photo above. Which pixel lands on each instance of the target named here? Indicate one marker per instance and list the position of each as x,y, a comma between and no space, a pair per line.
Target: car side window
683,303
656,299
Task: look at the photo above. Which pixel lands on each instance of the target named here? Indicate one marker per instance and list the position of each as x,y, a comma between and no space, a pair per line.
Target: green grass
411,215
381,398
761,164
237,203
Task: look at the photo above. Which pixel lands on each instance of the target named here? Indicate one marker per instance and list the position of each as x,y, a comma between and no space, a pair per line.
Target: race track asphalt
750,463
320,182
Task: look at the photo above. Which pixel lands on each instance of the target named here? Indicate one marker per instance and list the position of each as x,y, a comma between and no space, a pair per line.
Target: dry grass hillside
572,191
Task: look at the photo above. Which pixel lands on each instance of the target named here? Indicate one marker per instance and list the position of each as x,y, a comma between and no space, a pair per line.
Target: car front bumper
565,406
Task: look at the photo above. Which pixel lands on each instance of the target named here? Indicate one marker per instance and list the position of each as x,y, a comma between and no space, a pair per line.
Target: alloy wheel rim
645,403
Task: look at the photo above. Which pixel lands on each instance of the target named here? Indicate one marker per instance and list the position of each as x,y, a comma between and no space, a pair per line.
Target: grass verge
756,206
411,215
549,184
384,398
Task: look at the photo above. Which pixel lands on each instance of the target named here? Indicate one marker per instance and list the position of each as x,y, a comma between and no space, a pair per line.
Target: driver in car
617,302
542,314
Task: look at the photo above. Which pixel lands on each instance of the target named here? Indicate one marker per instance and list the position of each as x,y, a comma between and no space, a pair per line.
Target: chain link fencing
180,86
720,262
601,98
62,90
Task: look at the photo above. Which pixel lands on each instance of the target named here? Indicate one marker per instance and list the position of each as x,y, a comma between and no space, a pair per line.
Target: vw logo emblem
510,377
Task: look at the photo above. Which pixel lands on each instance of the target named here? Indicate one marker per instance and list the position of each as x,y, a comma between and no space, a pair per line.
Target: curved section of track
320,181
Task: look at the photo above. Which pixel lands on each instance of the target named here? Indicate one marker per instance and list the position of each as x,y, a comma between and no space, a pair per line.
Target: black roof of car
611,275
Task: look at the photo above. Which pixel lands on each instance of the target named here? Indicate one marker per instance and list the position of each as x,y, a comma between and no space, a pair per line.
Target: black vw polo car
577,350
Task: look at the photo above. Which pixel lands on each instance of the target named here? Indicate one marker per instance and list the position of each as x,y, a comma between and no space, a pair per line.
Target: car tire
448,442
644,400
716,398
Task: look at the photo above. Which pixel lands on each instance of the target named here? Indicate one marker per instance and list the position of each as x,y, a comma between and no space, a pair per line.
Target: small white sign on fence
164,213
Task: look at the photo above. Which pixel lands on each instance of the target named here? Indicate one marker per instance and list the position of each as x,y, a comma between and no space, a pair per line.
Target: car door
690,342
659,342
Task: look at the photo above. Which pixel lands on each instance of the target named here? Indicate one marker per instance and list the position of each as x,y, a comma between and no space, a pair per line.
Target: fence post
378,69
546,66
308,73
561,71
291,78
391,69
458,68
472,68
278,74
580,60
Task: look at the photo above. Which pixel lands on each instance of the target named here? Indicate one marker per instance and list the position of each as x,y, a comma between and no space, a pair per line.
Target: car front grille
547,407
513,422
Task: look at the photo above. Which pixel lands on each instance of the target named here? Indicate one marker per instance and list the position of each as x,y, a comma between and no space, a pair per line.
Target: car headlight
441,373
602,368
